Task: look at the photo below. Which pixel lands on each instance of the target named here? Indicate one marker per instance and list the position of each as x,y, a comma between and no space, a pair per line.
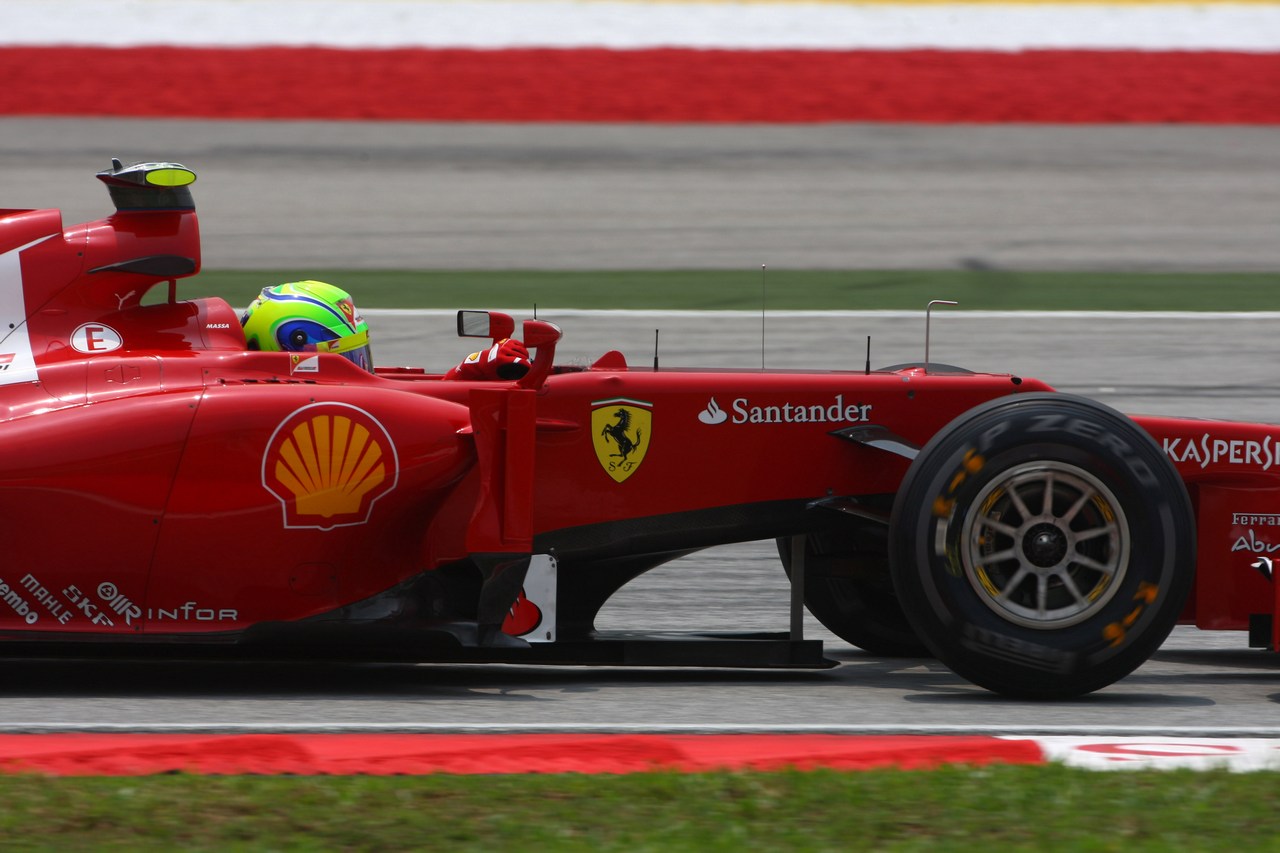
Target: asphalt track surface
293,194
355,195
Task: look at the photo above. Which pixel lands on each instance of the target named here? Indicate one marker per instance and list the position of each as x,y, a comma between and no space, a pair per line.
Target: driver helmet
307,316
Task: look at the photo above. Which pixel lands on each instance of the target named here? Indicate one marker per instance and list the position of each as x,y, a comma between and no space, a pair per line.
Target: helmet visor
362,357
354,348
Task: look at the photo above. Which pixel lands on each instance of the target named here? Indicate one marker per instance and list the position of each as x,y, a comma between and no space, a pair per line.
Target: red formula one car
166,488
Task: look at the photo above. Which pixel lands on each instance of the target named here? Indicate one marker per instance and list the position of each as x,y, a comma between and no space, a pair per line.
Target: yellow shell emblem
327,464
620,431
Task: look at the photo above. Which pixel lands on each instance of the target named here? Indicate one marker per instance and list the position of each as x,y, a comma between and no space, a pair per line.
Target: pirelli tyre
848,589
1042,546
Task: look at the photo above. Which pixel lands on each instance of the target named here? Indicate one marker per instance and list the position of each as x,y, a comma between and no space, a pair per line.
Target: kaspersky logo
327,464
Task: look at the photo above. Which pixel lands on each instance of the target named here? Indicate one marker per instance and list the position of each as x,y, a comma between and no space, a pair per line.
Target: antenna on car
655,350
763,271
868,368
928,311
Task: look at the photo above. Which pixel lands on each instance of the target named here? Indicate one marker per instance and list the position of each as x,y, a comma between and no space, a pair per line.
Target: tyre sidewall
935,589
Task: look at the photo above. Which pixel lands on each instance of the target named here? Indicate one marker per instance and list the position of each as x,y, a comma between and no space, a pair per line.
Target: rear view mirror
485,324
539,333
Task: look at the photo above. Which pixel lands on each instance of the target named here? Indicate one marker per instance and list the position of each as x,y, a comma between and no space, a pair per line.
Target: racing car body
164,487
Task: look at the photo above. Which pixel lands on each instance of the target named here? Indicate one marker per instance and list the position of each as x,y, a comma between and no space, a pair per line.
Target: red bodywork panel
1232,471
162,480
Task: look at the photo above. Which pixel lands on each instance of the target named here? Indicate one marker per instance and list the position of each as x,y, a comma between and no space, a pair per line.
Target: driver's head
307,316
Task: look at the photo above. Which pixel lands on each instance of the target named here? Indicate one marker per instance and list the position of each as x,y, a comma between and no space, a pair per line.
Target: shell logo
327,464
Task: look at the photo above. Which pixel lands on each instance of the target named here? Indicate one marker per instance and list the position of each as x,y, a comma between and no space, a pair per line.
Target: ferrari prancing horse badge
621,431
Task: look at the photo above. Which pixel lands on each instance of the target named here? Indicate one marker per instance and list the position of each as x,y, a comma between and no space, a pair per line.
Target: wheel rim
1045,545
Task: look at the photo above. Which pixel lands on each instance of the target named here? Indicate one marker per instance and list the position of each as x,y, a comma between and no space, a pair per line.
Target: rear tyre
1042,546
849,590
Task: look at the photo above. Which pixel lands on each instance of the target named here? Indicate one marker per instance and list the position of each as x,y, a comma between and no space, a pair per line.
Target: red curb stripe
389,754
668,85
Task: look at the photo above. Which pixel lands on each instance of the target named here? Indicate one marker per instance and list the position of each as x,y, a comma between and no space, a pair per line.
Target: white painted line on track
497,24
953,314
1090,733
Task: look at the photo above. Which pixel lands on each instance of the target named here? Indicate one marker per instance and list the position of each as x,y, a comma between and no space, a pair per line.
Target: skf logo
328,463
95,338
621,431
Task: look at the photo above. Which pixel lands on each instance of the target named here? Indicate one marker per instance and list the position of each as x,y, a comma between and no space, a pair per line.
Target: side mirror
485,324
542,336
539,333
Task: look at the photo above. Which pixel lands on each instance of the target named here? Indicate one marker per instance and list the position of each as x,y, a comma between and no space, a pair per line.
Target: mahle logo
621,430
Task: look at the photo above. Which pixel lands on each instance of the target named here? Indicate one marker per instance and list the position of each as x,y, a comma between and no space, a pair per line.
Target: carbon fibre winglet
879,438
850,505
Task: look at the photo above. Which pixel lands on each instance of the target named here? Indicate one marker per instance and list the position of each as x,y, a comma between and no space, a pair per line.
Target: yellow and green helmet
307,316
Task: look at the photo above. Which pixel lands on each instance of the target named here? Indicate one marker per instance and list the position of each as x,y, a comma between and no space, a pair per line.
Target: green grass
979,809
782,289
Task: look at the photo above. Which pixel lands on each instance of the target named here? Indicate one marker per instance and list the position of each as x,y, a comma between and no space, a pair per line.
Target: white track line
493,24
947,316
462,727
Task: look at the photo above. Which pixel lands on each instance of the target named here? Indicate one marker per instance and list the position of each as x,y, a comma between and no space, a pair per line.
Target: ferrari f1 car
165,488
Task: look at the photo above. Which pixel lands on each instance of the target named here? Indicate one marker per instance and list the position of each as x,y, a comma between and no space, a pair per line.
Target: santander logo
743,411
713,414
